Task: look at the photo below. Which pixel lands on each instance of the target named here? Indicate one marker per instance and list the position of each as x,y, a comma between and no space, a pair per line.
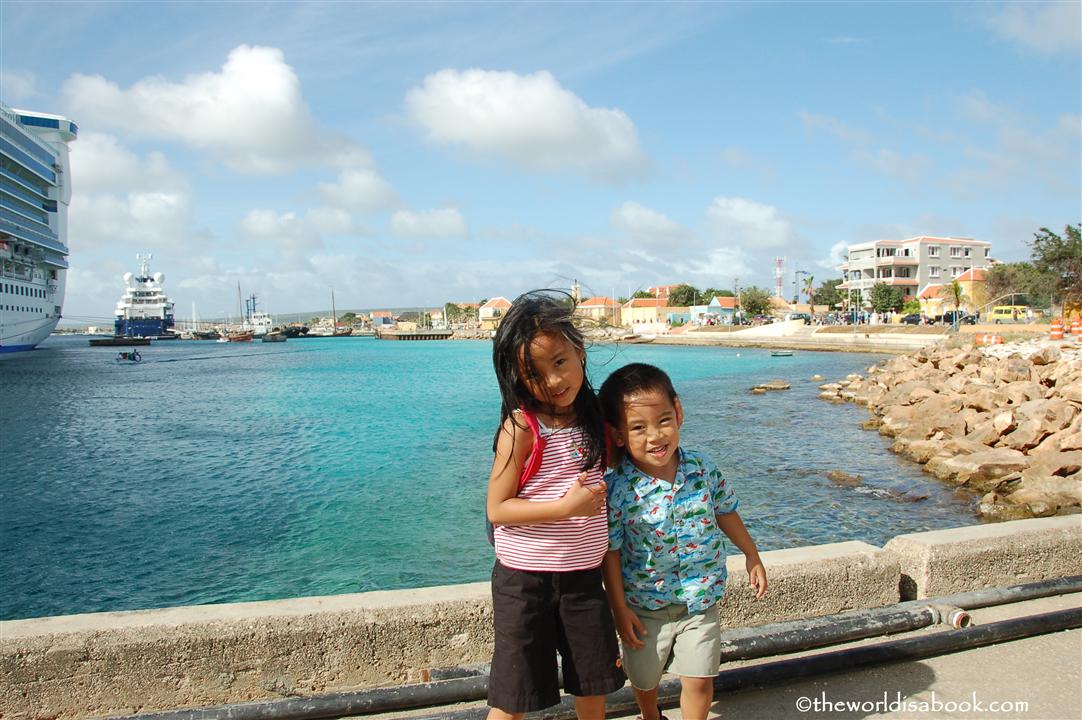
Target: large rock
1018,393
1053,463
1044,356
1050,489
980,470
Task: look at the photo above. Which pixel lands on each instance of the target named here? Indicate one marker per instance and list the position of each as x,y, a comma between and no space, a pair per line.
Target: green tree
955,295
683,296
828,294
1061,257
348,318
911,307
755,301
711,293
809,290
885,298
453,313
642,294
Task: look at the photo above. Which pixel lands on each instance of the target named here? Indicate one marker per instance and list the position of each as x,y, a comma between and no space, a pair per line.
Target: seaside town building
491,312
934,299
913,264
600,309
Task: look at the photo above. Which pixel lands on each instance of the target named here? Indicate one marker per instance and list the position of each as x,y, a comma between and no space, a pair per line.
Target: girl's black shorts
540,614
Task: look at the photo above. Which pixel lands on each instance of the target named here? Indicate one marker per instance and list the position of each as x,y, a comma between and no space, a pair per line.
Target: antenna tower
779,275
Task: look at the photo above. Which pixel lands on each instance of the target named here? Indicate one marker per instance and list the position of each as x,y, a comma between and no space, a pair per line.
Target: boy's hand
757,576
629,627
583,501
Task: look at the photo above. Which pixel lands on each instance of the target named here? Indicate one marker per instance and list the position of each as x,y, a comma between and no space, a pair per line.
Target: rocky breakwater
1003,421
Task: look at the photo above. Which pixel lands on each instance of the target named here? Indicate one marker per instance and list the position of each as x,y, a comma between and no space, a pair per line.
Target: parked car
963,318
806,317
912,319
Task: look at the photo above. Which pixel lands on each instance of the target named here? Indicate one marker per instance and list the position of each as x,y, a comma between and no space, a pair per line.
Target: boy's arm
628,625
733,527
504,507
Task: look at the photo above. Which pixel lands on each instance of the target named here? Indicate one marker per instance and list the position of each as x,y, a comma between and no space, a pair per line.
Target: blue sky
407,154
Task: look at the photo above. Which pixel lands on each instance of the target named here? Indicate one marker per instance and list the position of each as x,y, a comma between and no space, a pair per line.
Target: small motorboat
781,353
274,336
131,356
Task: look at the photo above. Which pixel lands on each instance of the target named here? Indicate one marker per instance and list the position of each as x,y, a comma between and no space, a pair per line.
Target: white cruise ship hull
35,189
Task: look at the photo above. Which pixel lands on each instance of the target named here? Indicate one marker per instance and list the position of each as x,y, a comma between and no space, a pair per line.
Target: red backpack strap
533,461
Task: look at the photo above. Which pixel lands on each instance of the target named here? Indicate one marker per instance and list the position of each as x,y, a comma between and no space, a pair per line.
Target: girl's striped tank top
577,543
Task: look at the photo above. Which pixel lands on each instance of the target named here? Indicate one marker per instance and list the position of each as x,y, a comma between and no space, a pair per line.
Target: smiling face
651,432
557,373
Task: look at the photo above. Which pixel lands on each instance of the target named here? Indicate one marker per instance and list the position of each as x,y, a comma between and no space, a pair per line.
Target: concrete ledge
125,662
811,581
943,562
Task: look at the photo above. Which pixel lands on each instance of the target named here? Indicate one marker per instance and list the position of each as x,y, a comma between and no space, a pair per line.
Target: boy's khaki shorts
676,642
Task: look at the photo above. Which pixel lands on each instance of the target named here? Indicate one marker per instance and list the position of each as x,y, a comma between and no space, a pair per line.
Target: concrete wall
126,662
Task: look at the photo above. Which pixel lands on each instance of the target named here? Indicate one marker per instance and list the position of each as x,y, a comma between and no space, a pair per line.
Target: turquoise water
229,472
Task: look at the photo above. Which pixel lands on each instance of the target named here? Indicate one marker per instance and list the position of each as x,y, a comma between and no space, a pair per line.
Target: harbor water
212,473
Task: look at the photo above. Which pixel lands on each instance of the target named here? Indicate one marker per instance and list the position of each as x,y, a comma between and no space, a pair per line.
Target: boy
665,569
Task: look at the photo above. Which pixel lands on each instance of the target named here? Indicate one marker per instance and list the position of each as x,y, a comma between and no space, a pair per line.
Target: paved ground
1044,672
1037,678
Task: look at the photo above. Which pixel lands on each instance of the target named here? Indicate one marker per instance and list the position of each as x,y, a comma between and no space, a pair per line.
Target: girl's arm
731,524
504,508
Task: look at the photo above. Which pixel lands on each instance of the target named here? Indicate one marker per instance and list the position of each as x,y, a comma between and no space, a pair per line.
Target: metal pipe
471,683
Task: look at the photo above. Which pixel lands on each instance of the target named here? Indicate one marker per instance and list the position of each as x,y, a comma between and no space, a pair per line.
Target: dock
414,334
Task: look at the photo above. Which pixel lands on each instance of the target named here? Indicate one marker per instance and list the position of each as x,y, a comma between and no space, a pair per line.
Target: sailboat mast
334,311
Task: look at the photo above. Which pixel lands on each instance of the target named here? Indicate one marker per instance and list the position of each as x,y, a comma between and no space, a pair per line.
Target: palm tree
956,295
809,290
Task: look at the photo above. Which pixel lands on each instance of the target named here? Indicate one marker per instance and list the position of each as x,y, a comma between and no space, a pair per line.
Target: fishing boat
331,329
781,353
239,336
274,336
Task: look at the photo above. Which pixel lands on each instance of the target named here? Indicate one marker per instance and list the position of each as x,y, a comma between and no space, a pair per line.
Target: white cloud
527,120
836,257
739,159
442,222
101,164
1046,27
124,199
646,224
17,85
250,114
289,231
909,168
835,127
748,224
359,190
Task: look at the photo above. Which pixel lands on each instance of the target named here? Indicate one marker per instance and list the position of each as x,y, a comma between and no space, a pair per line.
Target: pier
361,649
414,334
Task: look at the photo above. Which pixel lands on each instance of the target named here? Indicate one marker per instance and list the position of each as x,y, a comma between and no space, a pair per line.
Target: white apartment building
912,264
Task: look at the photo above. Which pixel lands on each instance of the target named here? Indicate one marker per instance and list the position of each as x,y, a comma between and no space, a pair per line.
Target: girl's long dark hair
543,311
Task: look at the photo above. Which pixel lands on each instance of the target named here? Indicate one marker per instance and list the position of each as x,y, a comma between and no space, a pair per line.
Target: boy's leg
696,694
647,700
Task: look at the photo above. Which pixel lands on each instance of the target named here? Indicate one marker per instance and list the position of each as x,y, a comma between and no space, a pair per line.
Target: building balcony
897,281
897,260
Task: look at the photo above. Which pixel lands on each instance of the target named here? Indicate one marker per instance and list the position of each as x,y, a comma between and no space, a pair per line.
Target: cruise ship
144,310
35,189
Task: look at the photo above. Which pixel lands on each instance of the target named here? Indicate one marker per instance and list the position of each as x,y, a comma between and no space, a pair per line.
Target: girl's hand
757,576
629,627
583,501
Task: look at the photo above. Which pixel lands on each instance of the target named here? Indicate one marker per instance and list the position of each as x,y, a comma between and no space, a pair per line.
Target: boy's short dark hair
628,380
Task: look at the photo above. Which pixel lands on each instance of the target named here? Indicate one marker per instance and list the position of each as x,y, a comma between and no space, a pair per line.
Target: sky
411,154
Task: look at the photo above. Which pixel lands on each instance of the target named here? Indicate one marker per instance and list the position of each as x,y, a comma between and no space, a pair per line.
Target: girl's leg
590,707
696,694
647,700
497,714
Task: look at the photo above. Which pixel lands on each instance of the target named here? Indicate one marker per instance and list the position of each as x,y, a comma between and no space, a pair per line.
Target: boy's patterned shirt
671,548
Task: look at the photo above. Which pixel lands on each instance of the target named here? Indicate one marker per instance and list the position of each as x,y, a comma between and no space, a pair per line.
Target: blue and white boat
35,189
143,310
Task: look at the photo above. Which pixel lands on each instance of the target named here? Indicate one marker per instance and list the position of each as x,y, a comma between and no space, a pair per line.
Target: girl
550,531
